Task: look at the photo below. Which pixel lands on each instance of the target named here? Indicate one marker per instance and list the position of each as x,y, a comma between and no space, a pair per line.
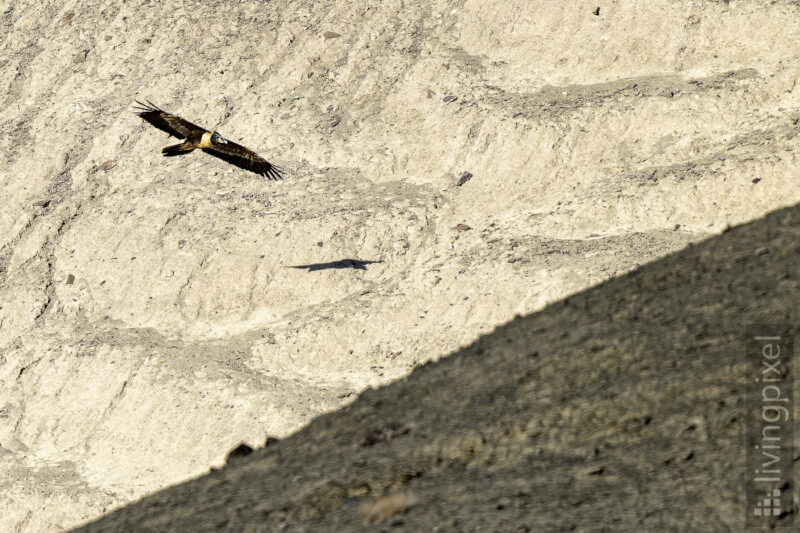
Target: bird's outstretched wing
242,157
172,124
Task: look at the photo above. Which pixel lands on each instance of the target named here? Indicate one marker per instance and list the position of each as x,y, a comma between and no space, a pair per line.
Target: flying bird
211,142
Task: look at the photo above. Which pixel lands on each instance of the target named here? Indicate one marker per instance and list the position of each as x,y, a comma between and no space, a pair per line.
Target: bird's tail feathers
177,149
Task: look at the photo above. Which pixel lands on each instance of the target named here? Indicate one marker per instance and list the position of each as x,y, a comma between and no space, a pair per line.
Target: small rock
429,93
449,98
41,203
286,38
465,177
335,121
330,35
107,165
388,506
70,279
320,243
80,57
756,180
761,251
597,12
502,504
67,18
677,227
461,227
594,471
242,450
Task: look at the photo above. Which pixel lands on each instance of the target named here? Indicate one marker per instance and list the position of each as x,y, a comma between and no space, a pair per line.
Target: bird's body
210,142
205,140
199,140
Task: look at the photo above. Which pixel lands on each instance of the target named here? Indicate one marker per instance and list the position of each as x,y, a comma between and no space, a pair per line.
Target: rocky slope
150,313
620,408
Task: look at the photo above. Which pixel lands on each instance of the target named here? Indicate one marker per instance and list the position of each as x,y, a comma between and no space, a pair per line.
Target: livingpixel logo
770,428
770,505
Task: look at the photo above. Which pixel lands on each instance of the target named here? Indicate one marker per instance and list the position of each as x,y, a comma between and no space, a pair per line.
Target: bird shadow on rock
342,263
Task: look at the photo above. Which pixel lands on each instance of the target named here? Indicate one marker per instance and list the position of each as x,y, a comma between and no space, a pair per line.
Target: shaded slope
620,407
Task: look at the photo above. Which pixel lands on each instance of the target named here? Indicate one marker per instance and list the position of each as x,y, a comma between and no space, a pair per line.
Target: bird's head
216,138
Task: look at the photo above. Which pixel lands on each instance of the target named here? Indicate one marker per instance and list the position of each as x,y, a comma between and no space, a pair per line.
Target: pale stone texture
596,144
